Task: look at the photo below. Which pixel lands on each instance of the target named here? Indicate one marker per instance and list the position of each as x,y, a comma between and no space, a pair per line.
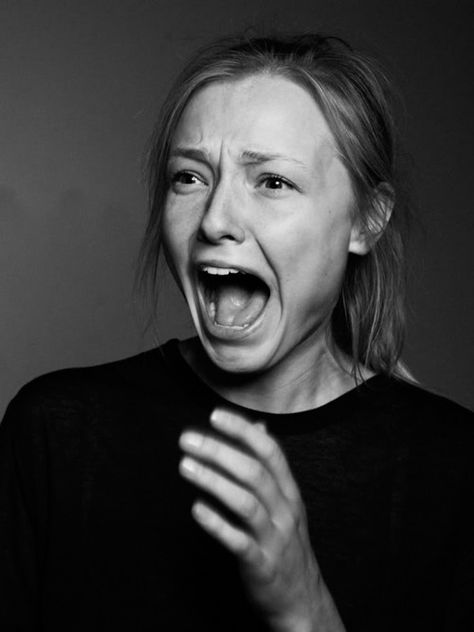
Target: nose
222,219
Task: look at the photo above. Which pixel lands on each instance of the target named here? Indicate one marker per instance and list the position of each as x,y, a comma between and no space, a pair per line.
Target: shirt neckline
338,408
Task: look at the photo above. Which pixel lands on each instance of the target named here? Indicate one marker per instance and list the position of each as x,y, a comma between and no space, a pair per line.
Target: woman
278,472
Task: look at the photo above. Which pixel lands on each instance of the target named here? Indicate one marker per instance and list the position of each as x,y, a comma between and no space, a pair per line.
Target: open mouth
232,298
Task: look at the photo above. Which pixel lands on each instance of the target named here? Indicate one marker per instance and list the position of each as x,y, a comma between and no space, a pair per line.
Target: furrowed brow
189,152
247,156
257,157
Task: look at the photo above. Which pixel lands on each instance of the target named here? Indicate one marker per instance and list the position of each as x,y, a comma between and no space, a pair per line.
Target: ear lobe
364,235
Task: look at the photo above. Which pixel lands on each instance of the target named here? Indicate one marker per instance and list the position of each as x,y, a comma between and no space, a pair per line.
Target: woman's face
257,220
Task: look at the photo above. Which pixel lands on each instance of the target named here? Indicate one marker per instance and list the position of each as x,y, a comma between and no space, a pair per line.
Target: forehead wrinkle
247,157
325,153
194,153
251,157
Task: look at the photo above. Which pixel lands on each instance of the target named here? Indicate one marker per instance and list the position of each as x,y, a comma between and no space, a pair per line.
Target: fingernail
215,415
219,416
187,465
191,439
199,512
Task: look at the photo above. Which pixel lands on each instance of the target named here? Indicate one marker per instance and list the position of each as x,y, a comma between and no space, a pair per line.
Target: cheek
177,230
174,247
313,256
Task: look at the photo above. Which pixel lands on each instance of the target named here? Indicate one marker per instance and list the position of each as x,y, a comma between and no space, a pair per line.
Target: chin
236,359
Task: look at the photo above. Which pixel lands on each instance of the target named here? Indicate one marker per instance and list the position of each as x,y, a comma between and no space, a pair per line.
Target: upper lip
219,263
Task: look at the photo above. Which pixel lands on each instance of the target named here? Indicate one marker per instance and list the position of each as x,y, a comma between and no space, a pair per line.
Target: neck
319,377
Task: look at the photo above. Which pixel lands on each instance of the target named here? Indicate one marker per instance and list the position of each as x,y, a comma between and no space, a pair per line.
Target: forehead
260,112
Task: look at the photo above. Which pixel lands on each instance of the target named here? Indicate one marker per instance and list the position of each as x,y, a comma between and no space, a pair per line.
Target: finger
239,500
236,540
261,444
242,467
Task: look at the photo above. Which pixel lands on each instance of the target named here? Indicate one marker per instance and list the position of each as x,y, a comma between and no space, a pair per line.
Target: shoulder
81,391
414,399
406,399
84,382
429,428
416,420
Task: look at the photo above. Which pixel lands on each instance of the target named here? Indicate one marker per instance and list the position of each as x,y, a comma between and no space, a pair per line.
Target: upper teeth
220,271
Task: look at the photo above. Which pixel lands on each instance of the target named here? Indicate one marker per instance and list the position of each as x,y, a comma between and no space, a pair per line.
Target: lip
223,332
199,264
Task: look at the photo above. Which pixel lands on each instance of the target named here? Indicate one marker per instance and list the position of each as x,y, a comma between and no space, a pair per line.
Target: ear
364,235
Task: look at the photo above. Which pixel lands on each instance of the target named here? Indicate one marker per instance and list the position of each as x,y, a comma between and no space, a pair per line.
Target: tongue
238,306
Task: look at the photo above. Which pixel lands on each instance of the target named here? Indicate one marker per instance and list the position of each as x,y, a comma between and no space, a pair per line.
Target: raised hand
248,473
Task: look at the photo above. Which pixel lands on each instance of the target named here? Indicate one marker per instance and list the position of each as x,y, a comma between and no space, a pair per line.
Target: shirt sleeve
23,516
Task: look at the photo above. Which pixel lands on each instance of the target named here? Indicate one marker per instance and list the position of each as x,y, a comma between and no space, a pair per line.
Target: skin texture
288,219
255,181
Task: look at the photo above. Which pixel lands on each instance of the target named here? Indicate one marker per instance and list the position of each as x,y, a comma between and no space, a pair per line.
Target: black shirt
95,524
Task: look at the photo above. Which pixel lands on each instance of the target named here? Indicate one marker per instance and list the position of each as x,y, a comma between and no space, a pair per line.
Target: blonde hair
368,322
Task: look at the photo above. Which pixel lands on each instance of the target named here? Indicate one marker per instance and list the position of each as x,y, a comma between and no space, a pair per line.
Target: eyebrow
190,152
248,156
257,157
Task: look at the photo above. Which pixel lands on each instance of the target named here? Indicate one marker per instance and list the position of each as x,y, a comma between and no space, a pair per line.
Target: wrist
321,615
325,616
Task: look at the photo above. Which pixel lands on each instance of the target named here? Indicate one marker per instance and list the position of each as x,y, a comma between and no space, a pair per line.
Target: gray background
80,83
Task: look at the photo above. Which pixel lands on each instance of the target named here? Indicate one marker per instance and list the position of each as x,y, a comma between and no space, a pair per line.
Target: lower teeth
212,310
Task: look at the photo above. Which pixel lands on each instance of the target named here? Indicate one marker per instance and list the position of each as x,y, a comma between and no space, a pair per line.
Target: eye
274,182
184,177
184,181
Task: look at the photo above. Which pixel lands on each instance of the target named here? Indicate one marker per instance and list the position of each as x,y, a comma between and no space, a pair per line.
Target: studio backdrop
81,83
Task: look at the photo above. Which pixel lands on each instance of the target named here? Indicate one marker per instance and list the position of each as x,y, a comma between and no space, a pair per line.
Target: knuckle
243,547
256,475
268,570
249,507
288,523
213,523
293,520
210,446
272,450
204,474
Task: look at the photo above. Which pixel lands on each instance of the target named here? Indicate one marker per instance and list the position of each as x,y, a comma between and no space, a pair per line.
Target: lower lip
224,332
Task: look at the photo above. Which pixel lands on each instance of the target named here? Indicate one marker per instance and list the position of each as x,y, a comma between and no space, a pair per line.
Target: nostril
202,236
213,232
